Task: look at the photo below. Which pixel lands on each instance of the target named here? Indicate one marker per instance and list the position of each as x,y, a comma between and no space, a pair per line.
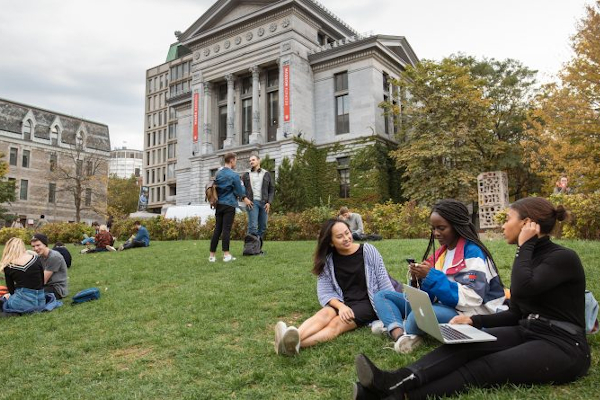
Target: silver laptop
445,333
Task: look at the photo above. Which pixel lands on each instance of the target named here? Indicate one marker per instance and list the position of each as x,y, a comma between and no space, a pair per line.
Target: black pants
224,216
530,354
133,243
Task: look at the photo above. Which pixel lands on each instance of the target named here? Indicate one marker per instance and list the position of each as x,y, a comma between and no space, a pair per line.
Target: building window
171,149
89,168
23,189
54,135
344,174
222,92
78,167
342,100
246,120
213,173
14,155
222,125
171,171
88,197
149,121
27,127
173,131
26,156
273,79
52,193
137,173
272,104
247,86
53,162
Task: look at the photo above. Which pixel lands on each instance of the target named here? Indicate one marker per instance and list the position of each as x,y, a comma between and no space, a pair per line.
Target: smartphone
410,260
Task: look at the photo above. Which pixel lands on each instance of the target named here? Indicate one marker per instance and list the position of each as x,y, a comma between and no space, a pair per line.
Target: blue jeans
257,219
87,240
392,308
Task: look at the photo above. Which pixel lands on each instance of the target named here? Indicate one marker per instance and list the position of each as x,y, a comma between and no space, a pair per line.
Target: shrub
398,221
66,232
7,233
585,216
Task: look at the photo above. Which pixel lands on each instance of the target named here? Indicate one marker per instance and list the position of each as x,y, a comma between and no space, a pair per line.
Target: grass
171,325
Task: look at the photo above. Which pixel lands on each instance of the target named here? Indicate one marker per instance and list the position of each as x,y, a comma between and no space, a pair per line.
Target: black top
30,275
350,275
547,279
65,253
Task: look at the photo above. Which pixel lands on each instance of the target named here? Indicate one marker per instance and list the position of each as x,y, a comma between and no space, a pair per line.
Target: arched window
54,135
79,139
27,126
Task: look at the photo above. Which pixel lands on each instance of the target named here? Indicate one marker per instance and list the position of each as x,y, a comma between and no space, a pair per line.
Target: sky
88,58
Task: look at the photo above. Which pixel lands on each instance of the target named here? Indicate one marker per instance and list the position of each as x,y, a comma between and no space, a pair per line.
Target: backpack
252,245
211,196
86,295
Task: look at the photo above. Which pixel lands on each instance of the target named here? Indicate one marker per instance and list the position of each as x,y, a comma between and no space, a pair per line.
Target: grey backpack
252,245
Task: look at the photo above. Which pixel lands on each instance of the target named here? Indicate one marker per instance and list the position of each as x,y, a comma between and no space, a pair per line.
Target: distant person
16,224
24,275
562,186
55,266
109,222
60,247
355,222
229,190
260,190
87,240
103,240
349,276
139,239
41,222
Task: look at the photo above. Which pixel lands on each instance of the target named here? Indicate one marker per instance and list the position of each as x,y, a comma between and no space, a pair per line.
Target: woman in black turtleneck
541,338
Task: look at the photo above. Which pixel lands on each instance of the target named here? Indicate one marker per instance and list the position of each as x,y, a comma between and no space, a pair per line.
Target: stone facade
42,148
265,72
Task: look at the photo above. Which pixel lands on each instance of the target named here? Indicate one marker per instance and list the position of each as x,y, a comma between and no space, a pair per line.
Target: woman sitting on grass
349,276
540,339
460,278
103,240
24,276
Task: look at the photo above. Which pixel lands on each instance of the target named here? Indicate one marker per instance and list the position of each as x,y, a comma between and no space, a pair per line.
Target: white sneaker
291,341
83,251
407,343
212,259
110,248
228,258
377,327
280,328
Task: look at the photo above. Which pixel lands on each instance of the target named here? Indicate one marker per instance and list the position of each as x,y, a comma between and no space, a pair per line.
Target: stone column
207,145
255,137
230,141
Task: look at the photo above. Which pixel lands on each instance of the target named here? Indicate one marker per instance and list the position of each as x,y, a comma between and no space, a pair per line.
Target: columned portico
229,141
207,145
255,137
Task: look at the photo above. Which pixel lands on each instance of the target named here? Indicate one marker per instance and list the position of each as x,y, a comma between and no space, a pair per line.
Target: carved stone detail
249,36
273,27
227,44
216,48
206,52
286,46
285,23
237,40
261,31
197,55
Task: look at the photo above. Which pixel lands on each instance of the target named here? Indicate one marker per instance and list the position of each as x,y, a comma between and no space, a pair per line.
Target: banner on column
286,93
195,124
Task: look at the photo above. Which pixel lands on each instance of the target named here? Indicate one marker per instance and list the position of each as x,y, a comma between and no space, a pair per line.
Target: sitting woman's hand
346,314
421,270
461,320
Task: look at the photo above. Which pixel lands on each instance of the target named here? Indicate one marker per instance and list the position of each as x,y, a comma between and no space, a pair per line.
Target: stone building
125,162
50,155
264,72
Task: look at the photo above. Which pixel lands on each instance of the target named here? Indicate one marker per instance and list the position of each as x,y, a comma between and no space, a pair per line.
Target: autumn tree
122,196
565,126
82,172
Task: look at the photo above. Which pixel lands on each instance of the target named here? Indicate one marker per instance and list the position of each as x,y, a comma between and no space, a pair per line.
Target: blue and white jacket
471,285
375,274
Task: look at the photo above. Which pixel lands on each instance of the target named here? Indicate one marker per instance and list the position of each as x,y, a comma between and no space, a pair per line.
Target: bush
66,232
398,221
585,216
7,233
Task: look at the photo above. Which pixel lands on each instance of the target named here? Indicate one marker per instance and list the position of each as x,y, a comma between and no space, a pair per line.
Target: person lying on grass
460,277
349,276
540,338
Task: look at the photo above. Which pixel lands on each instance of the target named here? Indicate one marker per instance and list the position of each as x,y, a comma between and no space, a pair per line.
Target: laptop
445,333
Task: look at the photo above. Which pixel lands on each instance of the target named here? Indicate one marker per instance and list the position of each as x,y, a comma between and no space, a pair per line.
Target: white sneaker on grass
377,327
83,251
407,343
212,259
228,258
280,328
110,248
291,341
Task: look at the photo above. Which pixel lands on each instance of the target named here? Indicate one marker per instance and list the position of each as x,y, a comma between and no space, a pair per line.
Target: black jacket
267,189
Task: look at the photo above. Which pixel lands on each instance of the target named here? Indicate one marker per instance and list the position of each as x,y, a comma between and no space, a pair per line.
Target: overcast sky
88,58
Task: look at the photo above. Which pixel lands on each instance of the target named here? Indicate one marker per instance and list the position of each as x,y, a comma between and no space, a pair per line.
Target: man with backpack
260,190
229,189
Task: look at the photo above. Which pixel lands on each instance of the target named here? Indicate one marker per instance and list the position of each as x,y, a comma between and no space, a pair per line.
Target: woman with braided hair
460,277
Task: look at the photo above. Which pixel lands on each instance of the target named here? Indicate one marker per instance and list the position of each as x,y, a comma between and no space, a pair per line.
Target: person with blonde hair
24,276
103,240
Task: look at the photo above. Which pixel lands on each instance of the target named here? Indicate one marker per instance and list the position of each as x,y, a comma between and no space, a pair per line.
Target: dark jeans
134,243
531,354
52,289
224,216
98,250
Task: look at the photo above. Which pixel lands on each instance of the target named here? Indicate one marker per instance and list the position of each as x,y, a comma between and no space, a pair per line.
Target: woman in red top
103,241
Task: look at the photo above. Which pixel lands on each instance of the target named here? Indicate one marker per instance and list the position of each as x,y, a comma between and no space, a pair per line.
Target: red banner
286,93
195,123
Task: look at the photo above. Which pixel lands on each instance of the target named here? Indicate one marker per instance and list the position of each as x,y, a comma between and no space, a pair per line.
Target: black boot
385,383
362,393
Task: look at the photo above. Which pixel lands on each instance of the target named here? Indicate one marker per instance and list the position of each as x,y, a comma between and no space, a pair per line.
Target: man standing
260,190
229,190
55,267
41,222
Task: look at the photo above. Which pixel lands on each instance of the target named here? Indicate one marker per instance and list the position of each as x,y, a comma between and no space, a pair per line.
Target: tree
7,188
565,126
82,172
122,196
286,188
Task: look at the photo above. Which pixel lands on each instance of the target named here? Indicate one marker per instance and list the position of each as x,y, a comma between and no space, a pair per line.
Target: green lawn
171,325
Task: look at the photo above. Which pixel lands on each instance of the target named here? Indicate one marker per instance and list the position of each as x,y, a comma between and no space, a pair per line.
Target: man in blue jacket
140,239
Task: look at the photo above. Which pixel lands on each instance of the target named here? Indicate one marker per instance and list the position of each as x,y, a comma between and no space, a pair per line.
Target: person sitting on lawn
349,276
540,339
55,268
460,278
24,275
139,239
60,247
103,240
91,239
355,222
